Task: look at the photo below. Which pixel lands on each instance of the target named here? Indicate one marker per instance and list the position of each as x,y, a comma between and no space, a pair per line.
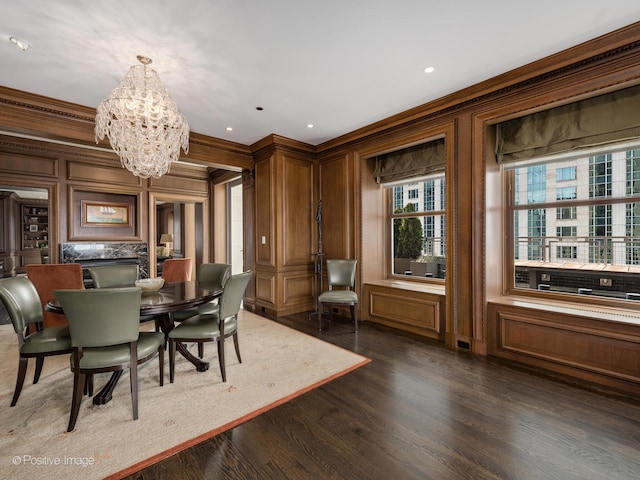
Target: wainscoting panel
594,349
413,311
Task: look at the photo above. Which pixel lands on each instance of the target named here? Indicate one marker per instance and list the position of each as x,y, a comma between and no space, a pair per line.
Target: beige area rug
279,363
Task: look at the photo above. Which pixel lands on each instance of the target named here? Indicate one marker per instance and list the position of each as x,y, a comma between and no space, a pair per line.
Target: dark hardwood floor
420,411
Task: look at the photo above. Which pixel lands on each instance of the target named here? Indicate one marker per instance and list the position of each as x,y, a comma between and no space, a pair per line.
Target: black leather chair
104,327
20,298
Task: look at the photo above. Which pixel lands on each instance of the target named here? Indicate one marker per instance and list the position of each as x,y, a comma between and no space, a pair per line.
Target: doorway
235,227
184,220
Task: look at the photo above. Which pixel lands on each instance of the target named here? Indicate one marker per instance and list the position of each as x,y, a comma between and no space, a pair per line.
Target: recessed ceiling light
22,44
229,129
309,125
429,69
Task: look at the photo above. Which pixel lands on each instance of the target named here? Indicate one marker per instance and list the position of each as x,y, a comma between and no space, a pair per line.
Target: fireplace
105,253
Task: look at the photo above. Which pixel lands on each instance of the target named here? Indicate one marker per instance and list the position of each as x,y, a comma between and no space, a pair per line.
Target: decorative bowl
150,284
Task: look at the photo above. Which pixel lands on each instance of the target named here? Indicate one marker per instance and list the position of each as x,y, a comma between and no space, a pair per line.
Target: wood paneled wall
285,229
285,179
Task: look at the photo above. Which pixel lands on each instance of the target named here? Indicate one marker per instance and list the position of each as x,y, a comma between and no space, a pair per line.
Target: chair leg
172,359
76,400
161,361
133,379
39,364
221,359
354,315
22,372
88,385
319,316
200,349
236,344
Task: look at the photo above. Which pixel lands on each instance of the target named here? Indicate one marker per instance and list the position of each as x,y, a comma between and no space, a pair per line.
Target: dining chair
214,327
20,299
177,269
217,273
341,277
105,337
114,275
109,276
47,278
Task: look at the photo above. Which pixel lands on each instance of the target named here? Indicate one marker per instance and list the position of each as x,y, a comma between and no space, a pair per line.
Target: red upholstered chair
177,269
55,276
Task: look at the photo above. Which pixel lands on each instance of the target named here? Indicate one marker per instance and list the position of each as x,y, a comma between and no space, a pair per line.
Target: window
566,173
566,193
566,231
566,213
419,229
593,223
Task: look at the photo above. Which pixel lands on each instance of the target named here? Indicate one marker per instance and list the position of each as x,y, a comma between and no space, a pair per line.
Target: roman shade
419,160
610,118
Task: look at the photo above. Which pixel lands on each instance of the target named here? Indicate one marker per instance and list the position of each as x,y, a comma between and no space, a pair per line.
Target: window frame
391,216
508,173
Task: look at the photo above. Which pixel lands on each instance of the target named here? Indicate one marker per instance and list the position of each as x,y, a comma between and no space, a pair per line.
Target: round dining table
160,304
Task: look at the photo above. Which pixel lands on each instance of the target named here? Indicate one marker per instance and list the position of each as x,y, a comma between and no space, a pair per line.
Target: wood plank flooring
420,411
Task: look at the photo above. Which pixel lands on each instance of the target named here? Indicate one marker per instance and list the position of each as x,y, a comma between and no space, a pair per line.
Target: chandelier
143,124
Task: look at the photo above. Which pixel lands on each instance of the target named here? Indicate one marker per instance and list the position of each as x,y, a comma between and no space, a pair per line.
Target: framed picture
105,214
33,228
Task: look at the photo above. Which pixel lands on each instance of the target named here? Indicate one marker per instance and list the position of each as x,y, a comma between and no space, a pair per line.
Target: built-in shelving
35,226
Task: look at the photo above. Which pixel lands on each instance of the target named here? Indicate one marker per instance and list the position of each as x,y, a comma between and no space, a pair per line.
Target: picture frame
33,228
105,214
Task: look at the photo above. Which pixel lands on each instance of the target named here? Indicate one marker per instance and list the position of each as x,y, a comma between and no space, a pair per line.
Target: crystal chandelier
143,124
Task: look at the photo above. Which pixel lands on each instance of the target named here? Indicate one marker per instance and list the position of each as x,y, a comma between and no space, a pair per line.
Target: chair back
100,317
49,277
177,269
233,293
21,300
114,275
218,273
341,273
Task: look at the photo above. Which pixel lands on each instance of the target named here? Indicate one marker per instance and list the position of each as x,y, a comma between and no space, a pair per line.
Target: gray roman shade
416,161
609,118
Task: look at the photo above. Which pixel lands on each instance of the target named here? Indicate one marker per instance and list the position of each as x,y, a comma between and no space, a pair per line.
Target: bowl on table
150,284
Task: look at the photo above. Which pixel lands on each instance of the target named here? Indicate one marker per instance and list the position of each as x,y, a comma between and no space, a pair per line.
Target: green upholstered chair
21,300
213,327
217,273
105,336
341,273
114,275
109,276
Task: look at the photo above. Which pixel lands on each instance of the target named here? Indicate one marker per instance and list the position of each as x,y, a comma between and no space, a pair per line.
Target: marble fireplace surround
106,253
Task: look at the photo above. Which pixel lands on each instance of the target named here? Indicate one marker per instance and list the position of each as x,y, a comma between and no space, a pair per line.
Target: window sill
603,313
411,286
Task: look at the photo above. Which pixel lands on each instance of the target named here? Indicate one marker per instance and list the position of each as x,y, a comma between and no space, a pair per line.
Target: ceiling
337,64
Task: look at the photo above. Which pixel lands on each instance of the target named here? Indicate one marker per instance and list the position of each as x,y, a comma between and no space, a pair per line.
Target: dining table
160,305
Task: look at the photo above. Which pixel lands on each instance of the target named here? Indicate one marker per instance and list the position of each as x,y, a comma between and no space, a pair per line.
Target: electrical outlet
606,282
264,240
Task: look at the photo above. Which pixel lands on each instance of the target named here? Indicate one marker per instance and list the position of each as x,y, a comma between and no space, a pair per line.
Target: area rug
278,364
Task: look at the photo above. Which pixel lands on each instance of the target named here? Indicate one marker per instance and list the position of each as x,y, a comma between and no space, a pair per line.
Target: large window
576,223
418,229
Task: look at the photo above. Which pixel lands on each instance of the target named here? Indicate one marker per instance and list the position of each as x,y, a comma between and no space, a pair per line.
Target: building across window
419,238
576,223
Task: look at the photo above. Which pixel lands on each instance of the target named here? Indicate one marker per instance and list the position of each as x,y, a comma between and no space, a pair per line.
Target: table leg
166,325
106,394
